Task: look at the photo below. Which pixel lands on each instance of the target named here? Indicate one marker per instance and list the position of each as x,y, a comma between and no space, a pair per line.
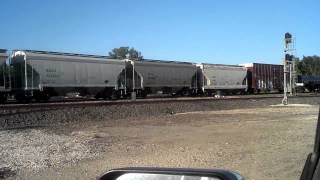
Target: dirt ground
262,143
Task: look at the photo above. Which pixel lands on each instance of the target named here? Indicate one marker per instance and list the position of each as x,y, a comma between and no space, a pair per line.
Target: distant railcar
264,77
167,77
40,74
4,76
310,83
221,79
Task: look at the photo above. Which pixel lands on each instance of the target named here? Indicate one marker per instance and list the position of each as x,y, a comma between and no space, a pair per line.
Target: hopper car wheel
144,94
98,95
115,95
200,93
185,93
209,93
41,96
194,93
23,98
3,98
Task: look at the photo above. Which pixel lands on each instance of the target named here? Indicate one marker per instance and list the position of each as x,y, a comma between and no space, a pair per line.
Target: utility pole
290,78
288,68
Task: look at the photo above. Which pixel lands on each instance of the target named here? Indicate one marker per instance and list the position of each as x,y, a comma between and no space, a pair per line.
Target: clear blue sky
211,31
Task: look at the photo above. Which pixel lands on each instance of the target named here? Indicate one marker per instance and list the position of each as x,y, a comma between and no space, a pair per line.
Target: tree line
308,65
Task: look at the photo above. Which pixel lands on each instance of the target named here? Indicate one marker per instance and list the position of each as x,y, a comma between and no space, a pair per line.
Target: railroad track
79,103
46,114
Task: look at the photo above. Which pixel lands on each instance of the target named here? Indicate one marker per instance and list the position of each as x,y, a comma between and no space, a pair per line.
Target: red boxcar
264,77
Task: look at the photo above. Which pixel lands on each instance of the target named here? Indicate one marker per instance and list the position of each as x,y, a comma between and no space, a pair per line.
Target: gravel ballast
57,116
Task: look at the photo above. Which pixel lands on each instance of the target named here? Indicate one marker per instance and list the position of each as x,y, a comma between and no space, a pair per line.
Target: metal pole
285,98
294,80
290,74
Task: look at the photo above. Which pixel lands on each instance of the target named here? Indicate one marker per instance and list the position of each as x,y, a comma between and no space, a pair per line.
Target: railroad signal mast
289,73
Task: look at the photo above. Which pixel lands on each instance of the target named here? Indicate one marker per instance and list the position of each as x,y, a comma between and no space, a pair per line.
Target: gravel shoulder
260,143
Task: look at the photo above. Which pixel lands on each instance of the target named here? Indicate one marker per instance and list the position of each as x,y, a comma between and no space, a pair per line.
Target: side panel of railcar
224,77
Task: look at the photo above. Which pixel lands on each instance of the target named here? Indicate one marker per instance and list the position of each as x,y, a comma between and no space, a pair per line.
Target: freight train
39,75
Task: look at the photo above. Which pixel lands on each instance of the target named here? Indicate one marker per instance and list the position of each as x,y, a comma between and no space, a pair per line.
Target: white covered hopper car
221,79
41,74
169,77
